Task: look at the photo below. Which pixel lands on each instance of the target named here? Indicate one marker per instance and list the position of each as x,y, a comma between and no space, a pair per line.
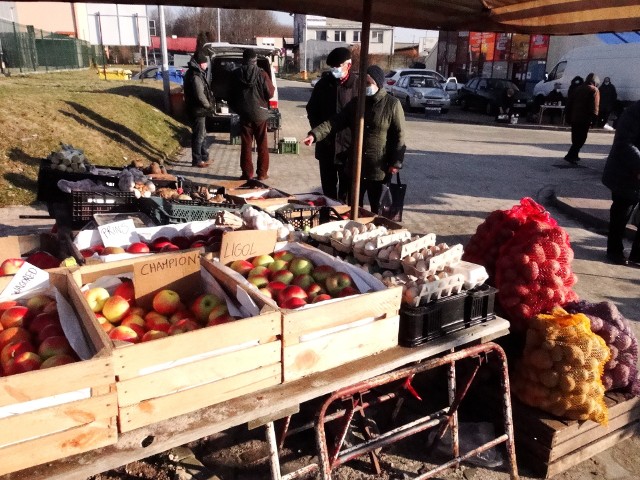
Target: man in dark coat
608,99
332,93
622,176
250,93
383,137
554,97
199,103
582,106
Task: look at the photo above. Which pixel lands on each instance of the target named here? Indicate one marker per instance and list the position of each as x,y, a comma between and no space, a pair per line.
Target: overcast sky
400,34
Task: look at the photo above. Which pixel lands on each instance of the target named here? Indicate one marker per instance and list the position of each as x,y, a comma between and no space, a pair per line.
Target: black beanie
200,57
249,55
338,56
375,72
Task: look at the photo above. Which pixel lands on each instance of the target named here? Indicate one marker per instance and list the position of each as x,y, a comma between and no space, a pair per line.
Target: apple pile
294,282
210,240
40,259
122,320
31,337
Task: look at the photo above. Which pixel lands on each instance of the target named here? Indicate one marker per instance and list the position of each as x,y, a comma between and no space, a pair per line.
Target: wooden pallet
550,446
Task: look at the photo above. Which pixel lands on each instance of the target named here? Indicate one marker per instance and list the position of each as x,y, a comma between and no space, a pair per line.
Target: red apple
305,280
4,306
275,288
96,297
106,325
292,291
259,270
169,248
198,244
98,248
322,272
181,314
259,281
51,307
156,321
125,334
314,290
25,362
51,330
11,266
284,276
14,317
266,292
217,311
54,346
136,322
181,242
13,350
182,326
153,335
137,311
264,260
159,242
337,282
220,319
43,260
243,267
166,302
37,303
13,334
126,291
278,265
293,303
57,360
300,266
112,250
87,252
138,247
202,306
285,255
348,291
115,308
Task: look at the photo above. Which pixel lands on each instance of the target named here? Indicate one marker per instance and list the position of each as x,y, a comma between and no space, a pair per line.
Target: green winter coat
383,137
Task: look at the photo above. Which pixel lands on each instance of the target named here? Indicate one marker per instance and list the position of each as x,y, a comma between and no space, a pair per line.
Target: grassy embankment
114,122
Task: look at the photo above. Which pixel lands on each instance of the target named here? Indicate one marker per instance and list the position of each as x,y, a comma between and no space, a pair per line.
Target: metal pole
104,57
46,64
364,53
304,69
165,61
218,27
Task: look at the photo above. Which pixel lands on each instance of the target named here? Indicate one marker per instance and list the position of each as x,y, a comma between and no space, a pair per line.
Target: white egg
409,260
347,234
421,266
347,241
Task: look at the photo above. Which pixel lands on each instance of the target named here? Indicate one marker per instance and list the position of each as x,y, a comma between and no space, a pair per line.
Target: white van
619,62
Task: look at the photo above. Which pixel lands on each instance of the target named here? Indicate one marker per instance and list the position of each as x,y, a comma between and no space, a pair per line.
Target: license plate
432,109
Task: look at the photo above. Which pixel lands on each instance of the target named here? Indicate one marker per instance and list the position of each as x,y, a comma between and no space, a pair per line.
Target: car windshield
503,85
423,82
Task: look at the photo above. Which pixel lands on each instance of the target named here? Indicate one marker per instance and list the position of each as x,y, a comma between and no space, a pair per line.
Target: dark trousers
619,214
249,131
373,188
603,117
335,182
199,151
579,132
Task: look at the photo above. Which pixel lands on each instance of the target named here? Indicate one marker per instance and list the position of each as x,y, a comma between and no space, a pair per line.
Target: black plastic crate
300,217
48,178
165,211
274,120
480,304
419,325
85,204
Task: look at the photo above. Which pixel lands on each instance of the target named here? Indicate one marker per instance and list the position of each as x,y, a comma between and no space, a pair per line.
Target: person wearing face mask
199,103
383,137
608,98
332,93
553,98
582,106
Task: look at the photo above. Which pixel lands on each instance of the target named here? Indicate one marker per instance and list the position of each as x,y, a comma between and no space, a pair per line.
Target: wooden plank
339,348
240,410
320,317
590,450
47,421
60,445
157,409
130,359
65,378
175,379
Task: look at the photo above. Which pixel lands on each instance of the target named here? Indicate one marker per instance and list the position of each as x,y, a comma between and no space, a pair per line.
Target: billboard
118,25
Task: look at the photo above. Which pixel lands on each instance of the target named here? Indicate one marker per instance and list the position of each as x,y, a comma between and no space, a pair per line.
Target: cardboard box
21,246
175,375
327,334
50,414
261,197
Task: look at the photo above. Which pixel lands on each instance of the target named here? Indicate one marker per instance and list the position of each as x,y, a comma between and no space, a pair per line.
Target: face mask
371,90
606,83
557,89
337,72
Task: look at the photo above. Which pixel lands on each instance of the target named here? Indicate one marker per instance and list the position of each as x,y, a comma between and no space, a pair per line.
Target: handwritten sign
27,278
243,244
119,234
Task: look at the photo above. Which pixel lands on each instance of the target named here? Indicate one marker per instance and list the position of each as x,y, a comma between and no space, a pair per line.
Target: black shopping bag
392,199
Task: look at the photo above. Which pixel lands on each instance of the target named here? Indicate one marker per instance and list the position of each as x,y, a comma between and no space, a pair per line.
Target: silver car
423,92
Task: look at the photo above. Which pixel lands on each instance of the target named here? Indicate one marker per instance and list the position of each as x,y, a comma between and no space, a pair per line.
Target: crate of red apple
43,251
57,383
180,336
332,312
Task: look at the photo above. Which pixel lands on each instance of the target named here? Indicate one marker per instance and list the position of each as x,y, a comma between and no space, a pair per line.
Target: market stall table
543,108
262,407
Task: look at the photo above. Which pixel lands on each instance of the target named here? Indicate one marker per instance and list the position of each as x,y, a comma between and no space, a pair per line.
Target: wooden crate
179,374
47,415
550,446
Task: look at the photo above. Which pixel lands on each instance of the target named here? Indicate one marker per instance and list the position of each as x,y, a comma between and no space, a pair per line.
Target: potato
574,355
540,359
566,383
548,344
533,339
549,378
557,353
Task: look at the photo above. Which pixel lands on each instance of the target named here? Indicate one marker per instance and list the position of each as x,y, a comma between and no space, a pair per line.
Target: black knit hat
375,72
338,56
200,57
249,55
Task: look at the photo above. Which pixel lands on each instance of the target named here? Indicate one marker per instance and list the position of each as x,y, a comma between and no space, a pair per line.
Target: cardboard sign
27,278
9,248
118,234
246,243
179,272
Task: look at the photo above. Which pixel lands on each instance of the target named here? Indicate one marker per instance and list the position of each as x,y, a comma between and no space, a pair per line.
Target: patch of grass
114,122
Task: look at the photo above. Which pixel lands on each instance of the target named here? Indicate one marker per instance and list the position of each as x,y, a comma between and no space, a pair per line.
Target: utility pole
218,24
304,70
165,60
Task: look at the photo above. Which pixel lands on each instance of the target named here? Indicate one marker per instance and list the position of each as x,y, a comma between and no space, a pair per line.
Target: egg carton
389,264
436,263
444,287
322,233
361,256
344,247
474,275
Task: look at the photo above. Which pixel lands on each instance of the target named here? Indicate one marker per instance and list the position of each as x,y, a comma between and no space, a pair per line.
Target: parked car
450,85
485,94
421,91
155,73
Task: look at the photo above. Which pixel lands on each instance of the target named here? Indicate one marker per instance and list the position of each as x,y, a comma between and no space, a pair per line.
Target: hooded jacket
250,93
383,136
328,98
198,98
622,169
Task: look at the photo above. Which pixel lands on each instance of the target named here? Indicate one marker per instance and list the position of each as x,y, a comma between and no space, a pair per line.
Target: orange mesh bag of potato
561,367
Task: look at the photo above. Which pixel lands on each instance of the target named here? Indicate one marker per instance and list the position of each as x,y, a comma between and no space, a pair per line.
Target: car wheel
464,104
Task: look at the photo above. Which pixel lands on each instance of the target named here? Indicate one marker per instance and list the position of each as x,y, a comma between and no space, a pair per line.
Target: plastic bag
561,367
392,199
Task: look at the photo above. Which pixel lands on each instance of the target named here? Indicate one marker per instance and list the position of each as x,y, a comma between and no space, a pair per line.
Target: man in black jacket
199,103
250,93
622,176
330,95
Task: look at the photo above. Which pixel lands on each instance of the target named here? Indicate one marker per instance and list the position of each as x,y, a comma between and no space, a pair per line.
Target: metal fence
26,49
